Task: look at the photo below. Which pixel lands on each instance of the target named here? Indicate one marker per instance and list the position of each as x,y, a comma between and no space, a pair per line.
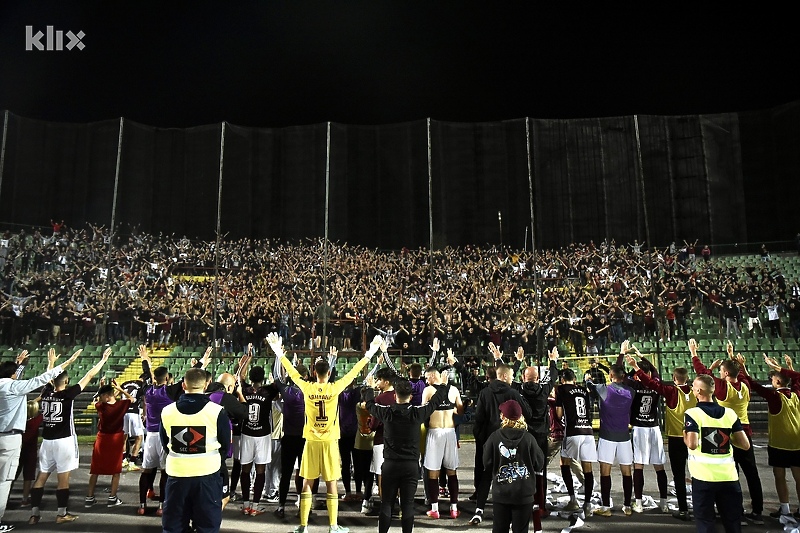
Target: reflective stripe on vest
193,448
712,460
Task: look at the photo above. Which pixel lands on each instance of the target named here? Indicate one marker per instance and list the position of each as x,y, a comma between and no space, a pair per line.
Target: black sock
258,486
62,497
588,486
145,482
162,485
433,489
638,482
566,474
236,471
36,496
627,488
661,478
246,486
452,486
605,490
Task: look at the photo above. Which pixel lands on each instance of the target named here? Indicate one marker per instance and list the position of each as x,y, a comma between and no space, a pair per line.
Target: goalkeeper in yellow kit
321,431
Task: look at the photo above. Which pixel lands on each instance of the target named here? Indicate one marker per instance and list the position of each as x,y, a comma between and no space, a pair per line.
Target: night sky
271,63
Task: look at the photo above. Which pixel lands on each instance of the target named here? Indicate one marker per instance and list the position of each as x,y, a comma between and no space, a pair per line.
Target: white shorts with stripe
580,448
377,459
648,446
256,450
441,449
59,455
155,456
132,425
612,452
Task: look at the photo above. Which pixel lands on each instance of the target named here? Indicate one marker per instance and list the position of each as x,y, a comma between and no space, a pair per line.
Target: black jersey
56,409
259,410
574,399
644,409
446,405
135,388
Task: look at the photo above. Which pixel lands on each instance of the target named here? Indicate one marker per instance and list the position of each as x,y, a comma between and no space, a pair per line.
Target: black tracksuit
401,435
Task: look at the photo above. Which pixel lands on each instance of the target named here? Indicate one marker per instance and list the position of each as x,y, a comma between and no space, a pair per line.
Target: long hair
513,424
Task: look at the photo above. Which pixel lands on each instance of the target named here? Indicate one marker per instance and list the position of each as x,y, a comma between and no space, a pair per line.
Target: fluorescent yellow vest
738,400
712,460
673,418
784,428
193,448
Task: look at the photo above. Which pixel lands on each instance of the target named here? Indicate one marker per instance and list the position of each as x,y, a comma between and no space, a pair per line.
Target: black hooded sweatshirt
487,410
513,458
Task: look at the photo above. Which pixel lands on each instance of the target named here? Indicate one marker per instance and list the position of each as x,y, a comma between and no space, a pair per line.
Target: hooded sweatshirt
536,395
487,410
513,457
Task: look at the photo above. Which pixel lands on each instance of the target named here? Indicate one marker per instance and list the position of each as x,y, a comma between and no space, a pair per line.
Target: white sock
785,508
454,507
435,507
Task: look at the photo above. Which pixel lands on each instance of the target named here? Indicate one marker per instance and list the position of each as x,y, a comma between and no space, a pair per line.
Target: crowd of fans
76,286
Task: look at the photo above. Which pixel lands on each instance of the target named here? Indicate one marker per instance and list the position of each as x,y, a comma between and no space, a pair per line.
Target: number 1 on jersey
321,409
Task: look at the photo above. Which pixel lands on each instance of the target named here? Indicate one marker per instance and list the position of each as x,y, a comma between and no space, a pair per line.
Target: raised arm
147,364
85,380
122,391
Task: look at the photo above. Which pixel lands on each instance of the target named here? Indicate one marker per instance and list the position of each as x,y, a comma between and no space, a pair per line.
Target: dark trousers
361,473
346,445
746,461
402,475
727,495
196,499
478,471
518,516
291,450
678,455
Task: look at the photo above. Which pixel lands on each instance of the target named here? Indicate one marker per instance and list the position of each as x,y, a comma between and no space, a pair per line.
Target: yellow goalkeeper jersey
322,401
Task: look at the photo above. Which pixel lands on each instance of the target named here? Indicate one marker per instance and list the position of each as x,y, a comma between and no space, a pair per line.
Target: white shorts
648,446
59,455
579,448
614,452
155,456
377,459
256,450
441,449
132,425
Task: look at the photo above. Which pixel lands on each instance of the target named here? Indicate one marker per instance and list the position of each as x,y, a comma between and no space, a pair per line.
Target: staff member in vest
731,392
677,399
196,433
13,411
709,430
